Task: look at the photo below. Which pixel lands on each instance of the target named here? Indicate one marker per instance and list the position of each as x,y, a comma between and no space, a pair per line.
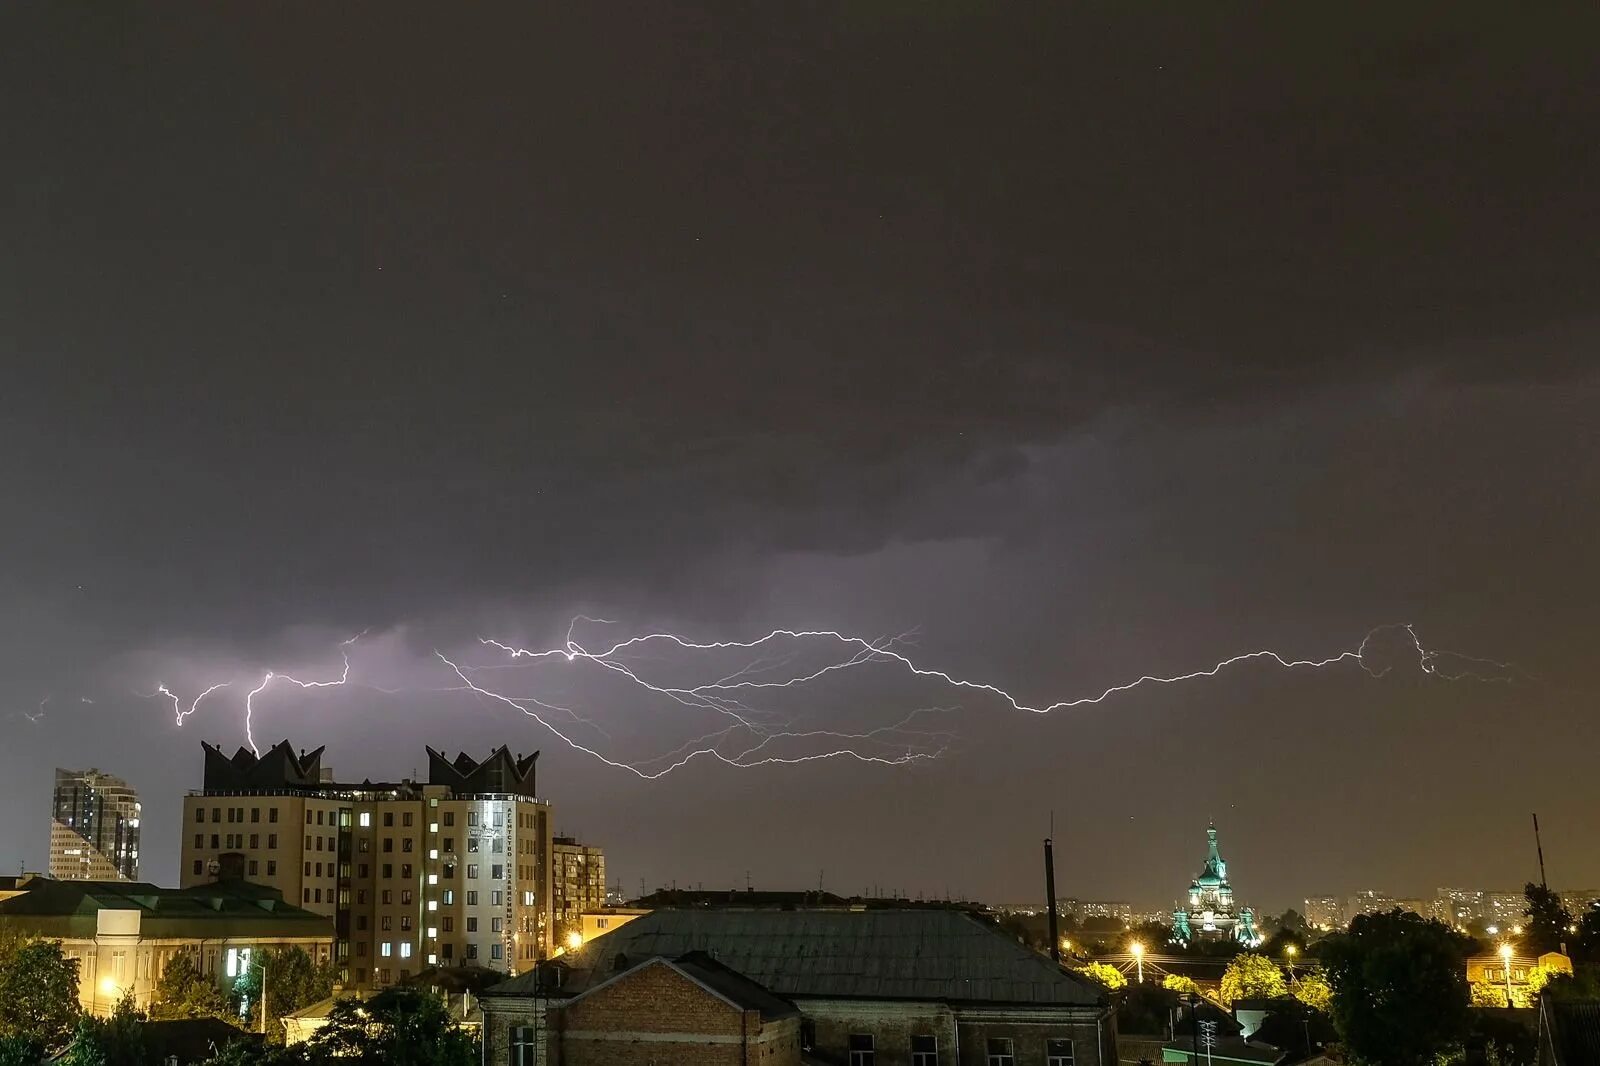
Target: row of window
232,841
999,1051
254,868
236,814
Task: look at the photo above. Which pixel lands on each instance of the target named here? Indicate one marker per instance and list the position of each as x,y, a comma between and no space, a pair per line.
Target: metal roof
944,955
69,909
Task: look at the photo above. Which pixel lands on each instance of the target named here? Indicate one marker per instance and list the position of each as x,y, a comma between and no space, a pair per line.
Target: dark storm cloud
1225,321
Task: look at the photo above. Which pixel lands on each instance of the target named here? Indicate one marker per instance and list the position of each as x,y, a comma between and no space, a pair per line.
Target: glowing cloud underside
751,735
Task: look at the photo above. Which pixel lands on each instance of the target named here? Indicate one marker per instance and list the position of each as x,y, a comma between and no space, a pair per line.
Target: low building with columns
124,933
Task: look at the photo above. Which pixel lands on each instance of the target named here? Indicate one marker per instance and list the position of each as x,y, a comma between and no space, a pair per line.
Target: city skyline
1140,902
1047,351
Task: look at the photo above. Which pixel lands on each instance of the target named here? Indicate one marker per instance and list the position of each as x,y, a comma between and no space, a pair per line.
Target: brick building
662,1012
928,987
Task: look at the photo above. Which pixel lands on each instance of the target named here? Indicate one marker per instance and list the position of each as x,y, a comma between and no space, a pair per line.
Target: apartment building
454,871
580,886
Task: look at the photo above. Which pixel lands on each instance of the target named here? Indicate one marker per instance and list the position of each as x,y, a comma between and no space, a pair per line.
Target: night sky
1084,340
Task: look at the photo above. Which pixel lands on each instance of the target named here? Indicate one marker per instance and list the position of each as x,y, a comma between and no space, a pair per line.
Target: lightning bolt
786,659
177,706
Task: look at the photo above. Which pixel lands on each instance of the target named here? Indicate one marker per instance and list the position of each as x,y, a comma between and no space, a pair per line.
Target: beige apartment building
579,886
454,871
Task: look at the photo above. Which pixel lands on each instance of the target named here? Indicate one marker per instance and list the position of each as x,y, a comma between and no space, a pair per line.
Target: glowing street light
1138,958
574,941
1505,956
1291,951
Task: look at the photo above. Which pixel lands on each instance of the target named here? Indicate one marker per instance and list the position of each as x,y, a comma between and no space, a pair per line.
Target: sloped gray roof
942,955
733,985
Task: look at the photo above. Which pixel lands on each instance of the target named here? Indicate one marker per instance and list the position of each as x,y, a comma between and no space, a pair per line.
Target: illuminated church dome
1210,911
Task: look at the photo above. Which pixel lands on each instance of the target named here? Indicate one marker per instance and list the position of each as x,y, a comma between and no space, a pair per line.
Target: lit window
433,827
433,904
433,879
433,960
522,1045
405,949
386,949
433,853
433,932
366,819
233,962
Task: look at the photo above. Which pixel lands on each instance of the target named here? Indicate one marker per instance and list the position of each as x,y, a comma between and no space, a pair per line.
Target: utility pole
1539,846
1050,892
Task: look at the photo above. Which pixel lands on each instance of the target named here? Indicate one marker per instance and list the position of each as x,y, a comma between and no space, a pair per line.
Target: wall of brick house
1028,1038
654,999
500,1015
677,1023
780,1046
891,1024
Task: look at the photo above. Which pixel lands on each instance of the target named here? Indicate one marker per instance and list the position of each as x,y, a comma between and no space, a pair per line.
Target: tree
1547,920
1312,989
293,980
1487,994
184,992
19,1051
396,1027
1180,984
1252,977
38,992
85,1049
1540,976
1399,988
114,1041
1108,977
1155,936
1586,942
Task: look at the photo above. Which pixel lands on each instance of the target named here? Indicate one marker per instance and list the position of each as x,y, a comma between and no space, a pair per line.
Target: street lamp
1505,956
1138,958
1291,951
110,990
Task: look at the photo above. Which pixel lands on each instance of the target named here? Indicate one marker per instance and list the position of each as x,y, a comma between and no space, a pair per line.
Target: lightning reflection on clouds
751,735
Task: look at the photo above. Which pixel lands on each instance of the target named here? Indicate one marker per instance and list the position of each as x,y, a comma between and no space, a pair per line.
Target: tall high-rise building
94,828
580,885
455,871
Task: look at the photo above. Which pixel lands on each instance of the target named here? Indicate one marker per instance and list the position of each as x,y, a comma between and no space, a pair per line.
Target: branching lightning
792,661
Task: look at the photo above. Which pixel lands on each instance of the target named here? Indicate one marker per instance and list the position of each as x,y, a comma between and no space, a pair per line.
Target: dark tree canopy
184,992
38,992
1547,921
1399,988
396,1027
